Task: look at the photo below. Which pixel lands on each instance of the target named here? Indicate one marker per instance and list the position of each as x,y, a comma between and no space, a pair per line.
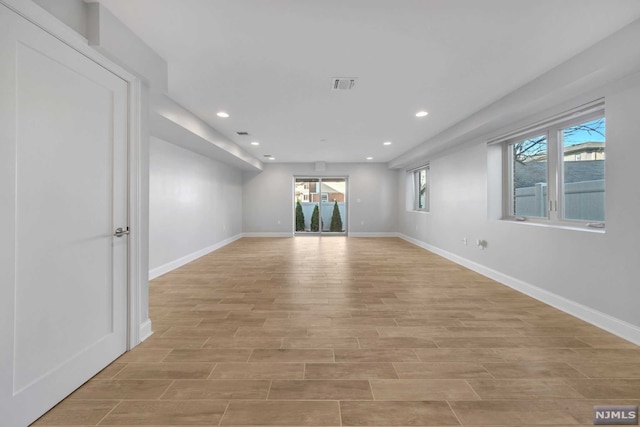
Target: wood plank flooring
330,331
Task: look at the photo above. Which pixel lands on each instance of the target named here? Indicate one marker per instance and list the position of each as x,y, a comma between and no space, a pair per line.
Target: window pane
529,177
421,189
583,170
416,186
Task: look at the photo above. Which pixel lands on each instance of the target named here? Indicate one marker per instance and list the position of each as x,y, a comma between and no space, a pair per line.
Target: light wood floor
357,332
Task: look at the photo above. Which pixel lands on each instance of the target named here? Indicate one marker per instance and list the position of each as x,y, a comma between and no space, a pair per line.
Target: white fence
582,200
327,212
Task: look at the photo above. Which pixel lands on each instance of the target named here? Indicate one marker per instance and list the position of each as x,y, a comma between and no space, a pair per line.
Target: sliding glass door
320,205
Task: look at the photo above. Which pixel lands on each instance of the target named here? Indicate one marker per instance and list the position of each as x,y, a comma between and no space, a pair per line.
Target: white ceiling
268,63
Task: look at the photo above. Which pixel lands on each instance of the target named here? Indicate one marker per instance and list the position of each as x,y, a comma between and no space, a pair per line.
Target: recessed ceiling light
272,158
387,143
421,113
222,114
255,143
369,158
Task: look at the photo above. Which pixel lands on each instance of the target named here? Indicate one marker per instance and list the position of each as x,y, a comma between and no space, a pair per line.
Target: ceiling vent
343,83
242,133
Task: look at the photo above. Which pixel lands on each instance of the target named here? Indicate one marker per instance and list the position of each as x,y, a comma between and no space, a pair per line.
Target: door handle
121,231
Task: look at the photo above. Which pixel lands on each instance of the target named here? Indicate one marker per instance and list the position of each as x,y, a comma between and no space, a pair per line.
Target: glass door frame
328,205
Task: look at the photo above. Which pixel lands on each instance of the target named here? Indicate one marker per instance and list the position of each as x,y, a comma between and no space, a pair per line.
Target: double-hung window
554,171
421,189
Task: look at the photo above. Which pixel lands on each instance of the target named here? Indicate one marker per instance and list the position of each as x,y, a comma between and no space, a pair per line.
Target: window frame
552,129
416,188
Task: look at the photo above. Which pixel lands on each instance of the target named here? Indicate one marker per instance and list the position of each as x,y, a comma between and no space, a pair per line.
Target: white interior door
63,191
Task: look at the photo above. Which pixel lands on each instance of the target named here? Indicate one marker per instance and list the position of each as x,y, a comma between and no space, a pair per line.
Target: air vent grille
343,83
242,133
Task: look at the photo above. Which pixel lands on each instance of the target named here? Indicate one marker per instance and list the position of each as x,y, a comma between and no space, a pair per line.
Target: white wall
195,205
592,271
268,196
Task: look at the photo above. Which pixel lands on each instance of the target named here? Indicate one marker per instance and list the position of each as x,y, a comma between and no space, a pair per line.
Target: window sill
557,225
419,212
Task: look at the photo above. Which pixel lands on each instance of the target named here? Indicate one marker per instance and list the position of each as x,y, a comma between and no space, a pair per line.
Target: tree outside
336,220
299,216
315,219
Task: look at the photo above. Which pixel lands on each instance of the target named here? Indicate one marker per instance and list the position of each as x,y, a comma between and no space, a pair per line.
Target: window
554,171
421,189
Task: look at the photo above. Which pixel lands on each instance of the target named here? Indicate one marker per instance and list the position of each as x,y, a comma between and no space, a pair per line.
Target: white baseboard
163,269
380,234
350,234
604,321
268,234
145,330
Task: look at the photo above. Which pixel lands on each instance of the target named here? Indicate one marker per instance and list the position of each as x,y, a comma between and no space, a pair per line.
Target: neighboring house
582,162
592,150
308,192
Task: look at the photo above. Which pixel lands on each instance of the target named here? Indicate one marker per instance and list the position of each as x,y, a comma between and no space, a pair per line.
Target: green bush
315,219
299,217
336,220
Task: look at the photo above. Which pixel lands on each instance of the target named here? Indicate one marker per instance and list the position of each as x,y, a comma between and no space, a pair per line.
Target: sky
580,136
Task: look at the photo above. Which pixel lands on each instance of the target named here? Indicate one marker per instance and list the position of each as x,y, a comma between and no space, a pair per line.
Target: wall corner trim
145,330
163,269
604,321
